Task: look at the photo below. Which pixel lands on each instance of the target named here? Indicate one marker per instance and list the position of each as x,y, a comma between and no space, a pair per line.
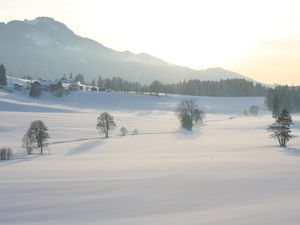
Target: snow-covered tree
189,113
37,133
105,123
3,80
280,129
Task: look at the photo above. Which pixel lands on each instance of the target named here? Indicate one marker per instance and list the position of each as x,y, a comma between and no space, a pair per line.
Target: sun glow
239,35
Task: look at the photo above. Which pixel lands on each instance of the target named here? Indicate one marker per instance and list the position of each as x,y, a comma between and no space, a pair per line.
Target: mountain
47,49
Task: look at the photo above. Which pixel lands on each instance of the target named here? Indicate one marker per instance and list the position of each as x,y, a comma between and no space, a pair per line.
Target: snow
225,172
32,22
40,39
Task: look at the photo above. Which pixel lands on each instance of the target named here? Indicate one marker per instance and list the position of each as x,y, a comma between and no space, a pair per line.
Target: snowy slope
87,100
226,172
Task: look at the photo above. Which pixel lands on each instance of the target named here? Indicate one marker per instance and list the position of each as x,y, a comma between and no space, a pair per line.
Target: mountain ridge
47,48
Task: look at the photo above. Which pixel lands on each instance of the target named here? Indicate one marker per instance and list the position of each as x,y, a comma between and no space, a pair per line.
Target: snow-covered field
226,172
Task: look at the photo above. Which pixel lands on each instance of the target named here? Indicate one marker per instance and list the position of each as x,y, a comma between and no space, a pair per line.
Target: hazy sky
258,38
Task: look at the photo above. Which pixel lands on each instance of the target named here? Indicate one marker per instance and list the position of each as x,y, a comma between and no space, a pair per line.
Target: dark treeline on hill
223,88
283,97
117,84
229,87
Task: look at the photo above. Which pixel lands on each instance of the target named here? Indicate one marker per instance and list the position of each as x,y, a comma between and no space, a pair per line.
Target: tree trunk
106,133
42,149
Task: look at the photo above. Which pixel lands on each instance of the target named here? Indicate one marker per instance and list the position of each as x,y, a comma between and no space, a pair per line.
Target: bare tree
37,133
123,131
135,131
189,113
5,153
253,110
156,87
27,144
105,123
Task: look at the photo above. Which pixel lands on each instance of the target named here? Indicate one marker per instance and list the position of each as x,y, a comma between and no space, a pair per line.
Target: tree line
195,87
226,88
283,97
282,100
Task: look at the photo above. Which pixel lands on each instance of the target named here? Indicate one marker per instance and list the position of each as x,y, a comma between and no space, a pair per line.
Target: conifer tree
100,83
35,90
93,83
275,107
280,129
3,79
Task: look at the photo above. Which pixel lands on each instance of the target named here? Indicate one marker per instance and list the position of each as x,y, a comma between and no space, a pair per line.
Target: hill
45,48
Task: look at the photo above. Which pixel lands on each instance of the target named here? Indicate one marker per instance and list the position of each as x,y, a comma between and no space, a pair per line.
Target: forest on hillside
283,97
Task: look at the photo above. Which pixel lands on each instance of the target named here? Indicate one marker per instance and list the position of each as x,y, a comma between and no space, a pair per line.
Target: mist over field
226,171
107,117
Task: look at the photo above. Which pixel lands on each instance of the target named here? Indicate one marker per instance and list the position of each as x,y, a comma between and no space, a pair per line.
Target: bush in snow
135,132
245,112
5,153
253,110
105,123
123,131
189,113
94,89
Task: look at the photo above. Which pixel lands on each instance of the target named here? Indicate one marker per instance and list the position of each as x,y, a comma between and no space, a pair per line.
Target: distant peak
48,22
127,52
215,69
45,19
41,20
